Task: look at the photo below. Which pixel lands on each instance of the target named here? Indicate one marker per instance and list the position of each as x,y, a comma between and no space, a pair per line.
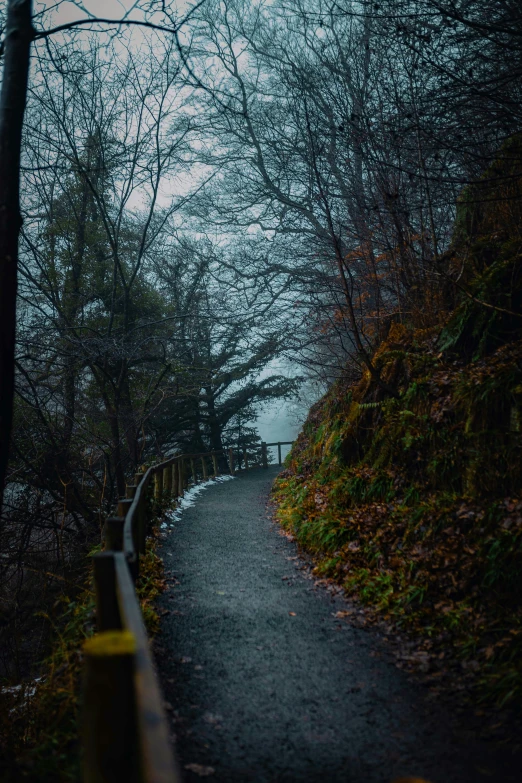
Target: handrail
279,443
139,497
125,730
129,532
153,732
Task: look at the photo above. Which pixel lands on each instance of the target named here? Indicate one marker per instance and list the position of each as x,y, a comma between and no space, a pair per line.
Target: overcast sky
279,421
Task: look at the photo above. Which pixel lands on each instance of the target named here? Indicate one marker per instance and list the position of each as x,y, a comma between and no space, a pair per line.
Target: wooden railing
125,730
264,450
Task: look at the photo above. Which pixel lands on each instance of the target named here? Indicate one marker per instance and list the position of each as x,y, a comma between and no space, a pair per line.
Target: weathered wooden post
107,608
113,533
123,506
204,468
245,458
214,465
279,453
167,480
193,471
141,516
264,454
181,480
140,524
130,490
110,740
231,461
158,486
174,479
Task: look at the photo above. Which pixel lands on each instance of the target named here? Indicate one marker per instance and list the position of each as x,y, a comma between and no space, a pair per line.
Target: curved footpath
265,684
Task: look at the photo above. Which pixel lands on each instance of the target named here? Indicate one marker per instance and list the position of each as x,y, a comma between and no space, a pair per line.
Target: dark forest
211,209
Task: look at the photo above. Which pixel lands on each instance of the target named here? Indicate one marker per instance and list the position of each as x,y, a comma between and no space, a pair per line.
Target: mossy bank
414,502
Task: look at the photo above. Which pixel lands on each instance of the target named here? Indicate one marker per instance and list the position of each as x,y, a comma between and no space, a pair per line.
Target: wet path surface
266,685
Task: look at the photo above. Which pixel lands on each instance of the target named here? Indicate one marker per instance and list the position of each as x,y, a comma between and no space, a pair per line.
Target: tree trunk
18,37
117,462
129,421
216,443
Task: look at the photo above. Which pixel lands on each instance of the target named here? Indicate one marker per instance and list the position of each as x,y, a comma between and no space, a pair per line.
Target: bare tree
22,30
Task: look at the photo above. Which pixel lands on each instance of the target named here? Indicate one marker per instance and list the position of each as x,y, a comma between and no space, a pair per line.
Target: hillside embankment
414,503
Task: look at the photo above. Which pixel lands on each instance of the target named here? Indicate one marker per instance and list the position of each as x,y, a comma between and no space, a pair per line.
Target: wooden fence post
264,454
245,458
181,481
109,709
193,471
214,465
231,461
141,521
159,474
204,468
174,479
113,533
107,608
158,486
167,480
130,490
123,506
279,453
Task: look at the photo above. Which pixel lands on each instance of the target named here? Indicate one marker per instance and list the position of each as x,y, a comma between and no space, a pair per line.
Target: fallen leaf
410,780
292,614
200,769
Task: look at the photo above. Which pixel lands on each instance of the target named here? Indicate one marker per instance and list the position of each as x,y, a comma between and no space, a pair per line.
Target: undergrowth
414,503
39,720
415,528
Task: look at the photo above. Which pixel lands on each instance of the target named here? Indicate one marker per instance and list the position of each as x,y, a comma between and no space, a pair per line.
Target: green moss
412,519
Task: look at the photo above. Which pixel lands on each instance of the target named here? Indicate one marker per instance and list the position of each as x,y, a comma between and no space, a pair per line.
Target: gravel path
265,683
